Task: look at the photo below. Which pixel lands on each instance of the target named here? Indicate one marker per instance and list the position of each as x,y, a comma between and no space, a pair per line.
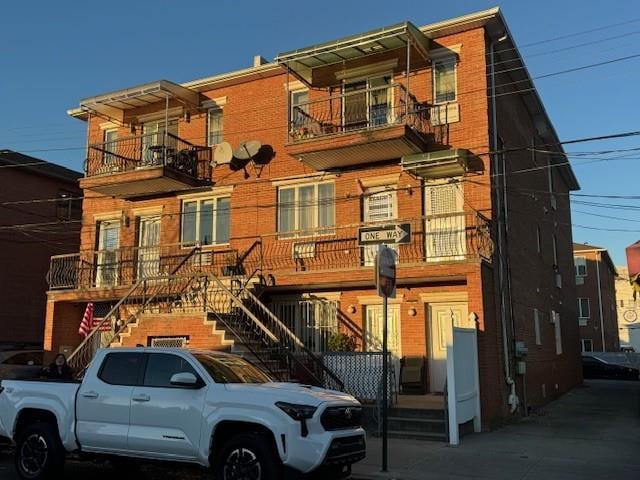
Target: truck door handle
141,398
90,395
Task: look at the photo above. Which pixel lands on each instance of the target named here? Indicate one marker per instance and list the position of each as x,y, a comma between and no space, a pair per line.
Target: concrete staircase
409,423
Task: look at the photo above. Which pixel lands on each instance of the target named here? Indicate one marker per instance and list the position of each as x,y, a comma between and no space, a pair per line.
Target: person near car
59,369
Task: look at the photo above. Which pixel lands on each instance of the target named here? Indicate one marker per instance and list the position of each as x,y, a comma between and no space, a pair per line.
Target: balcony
122,267
436,239
363,126
142,165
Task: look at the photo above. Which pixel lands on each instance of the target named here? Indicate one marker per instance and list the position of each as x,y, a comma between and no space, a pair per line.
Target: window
444,80
162,366
306,209
581,266
27,358
110,146
379,205
536,326
121,368
231,369
583,308
107,270
367,102
587,345
206,221
299,108
373,329
555,319
214,126
445,232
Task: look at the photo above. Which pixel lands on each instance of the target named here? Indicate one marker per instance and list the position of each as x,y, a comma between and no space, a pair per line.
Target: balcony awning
302,61
115,104
441,163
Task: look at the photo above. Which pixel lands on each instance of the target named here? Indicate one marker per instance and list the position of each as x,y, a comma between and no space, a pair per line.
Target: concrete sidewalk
592,432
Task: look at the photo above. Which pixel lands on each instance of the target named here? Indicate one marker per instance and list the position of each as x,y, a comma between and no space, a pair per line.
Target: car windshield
227,369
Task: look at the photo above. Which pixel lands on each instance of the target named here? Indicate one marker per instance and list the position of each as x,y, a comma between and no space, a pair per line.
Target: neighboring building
628,309
390,127
596,290
38,218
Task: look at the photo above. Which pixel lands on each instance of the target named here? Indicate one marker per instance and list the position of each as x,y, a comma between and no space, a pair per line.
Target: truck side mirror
184,379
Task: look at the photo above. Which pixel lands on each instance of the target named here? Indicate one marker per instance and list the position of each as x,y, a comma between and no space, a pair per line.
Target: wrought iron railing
452,237
149,150
358,110
126,265
145,295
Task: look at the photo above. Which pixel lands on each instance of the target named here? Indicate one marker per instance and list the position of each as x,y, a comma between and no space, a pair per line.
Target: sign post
385,270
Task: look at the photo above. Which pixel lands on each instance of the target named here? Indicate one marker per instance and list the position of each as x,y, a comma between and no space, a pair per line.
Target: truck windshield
225,369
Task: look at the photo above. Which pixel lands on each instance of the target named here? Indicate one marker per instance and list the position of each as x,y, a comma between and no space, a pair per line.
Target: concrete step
418,413
424,436
416,425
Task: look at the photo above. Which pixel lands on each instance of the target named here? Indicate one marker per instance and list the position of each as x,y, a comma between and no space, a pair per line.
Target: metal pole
385,385
166,129
406,93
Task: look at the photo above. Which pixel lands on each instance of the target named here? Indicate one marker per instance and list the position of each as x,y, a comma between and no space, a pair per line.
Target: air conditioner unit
579,280
303,250
445,113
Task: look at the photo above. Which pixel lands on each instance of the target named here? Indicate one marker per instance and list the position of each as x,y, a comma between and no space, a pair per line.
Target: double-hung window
206,221
306,210
584,311
444,80
581,266
379,205
214,126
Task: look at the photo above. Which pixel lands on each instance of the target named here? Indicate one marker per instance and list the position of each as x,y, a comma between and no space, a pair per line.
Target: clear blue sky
54,53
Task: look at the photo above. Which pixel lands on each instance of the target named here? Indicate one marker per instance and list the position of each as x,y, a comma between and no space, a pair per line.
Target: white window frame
220,133
557,328
315,229
446,59
198,201
369,251
367,79
583,342
580,261
580,310
293,104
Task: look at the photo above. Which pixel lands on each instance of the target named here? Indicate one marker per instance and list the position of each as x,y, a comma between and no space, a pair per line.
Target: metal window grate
169,342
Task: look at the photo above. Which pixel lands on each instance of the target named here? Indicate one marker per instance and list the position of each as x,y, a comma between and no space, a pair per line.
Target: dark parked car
593,367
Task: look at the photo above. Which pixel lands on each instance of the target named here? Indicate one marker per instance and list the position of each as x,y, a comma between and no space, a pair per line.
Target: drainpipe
598,259
513,397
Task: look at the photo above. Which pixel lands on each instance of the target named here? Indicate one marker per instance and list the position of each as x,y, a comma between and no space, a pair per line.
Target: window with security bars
379,206
168,342
313,321
445,222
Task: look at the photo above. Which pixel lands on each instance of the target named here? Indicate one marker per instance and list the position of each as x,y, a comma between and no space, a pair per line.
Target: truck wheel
248,457
39,452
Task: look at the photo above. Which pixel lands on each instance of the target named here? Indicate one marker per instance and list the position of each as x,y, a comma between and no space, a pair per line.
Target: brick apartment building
391,127
628,310
25,250
596,290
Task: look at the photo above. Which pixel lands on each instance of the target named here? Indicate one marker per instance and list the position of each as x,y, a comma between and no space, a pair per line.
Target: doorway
148,247
439,318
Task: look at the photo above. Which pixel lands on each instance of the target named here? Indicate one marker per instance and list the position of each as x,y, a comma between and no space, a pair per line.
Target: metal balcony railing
149,150
461,236
126,265
358,110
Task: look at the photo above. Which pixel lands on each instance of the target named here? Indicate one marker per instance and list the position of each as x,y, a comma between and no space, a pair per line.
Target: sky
52,54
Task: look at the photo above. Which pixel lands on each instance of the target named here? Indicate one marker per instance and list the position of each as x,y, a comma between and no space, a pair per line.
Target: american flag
87,321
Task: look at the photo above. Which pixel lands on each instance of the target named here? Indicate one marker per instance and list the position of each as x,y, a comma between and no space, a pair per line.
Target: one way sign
389,234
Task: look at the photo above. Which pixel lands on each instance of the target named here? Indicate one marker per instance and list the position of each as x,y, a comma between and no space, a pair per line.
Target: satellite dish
222,154
247,150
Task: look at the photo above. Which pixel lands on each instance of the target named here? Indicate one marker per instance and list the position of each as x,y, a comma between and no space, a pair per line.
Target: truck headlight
297,412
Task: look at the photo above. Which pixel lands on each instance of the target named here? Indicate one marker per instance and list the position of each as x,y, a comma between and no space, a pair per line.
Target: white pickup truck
202,407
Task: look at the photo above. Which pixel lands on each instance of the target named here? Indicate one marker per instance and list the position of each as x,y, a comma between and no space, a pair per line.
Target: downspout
513,398
598,259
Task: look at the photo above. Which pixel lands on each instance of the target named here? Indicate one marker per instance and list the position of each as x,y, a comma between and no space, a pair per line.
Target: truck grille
341,418
346,450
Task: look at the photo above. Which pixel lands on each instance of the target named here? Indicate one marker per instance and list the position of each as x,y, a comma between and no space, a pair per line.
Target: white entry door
374,329
149,247
439,328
